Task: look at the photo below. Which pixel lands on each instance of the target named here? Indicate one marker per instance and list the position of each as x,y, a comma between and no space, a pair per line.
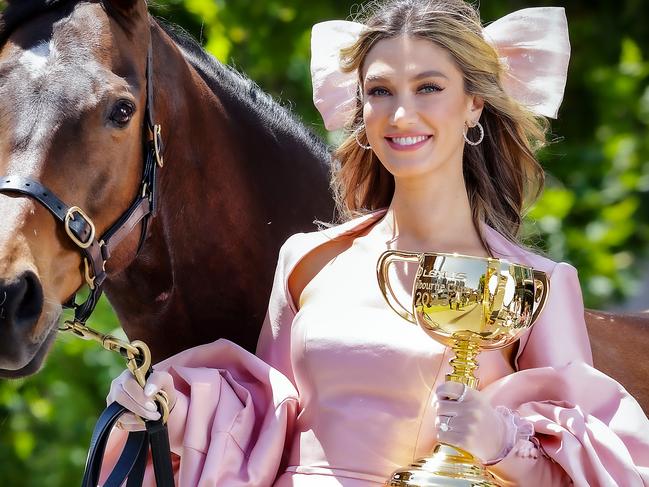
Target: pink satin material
534,47
365,380
532,44
230,421
334,92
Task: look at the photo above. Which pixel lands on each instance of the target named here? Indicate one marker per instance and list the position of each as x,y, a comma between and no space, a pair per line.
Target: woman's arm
559,336
590,431
274,344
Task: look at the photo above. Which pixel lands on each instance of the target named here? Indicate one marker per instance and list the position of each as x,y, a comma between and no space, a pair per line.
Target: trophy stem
464,362
448,465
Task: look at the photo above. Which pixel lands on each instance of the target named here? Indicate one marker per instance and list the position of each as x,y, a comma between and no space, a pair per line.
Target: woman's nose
404,114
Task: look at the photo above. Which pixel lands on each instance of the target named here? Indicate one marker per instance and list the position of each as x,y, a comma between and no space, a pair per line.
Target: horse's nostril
21,301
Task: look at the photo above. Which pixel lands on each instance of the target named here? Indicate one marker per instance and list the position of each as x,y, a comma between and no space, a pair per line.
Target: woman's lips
407,143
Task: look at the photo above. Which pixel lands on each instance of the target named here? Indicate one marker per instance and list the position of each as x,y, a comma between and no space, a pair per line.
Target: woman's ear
474,109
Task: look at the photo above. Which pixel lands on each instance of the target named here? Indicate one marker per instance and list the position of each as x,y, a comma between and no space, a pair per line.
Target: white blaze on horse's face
36,59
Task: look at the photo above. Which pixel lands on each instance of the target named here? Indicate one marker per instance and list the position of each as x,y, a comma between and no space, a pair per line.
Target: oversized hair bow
532,45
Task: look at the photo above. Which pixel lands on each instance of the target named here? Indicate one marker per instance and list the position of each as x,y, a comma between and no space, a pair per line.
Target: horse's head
72,108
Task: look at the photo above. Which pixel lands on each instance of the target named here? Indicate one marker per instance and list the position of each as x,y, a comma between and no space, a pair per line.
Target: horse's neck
206,269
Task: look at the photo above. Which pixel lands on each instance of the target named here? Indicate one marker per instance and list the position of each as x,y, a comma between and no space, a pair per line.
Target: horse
86,85
619,342
240,175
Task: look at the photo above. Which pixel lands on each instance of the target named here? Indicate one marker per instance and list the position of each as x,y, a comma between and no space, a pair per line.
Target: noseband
78,225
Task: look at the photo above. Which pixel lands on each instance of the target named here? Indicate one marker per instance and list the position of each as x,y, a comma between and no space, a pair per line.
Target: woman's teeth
409,140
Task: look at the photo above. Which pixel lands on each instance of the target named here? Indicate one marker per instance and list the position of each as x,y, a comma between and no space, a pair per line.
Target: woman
443,135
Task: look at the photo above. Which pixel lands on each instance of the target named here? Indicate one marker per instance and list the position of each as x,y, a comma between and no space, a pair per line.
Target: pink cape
586,422
230,420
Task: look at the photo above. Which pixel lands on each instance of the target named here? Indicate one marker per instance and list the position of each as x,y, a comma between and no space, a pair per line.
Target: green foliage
46,420
594,212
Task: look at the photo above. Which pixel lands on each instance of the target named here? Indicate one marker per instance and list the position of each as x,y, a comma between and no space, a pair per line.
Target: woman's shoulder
300,244
508,250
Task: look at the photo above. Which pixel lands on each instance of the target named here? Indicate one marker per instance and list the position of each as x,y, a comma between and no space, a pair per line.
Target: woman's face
415,107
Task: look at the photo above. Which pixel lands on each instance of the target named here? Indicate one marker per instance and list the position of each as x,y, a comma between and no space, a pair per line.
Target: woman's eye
378,91
122,113
429,88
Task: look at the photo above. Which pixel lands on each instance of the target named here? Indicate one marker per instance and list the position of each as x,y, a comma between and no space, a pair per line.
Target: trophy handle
541,290
382,267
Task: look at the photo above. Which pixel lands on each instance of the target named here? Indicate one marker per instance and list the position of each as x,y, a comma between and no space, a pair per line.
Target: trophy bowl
469,304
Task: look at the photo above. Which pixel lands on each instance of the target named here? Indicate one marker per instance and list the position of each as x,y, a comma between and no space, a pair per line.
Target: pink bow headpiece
532,44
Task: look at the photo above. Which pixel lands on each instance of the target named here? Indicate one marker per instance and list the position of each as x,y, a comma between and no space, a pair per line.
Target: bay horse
240,175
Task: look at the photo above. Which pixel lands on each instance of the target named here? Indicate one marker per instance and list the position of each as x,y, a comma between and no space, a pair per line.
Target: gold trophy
469,304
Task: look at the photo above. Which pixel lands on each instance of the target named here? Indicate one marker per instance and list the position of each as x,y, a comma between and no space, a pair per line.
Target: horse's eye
122,113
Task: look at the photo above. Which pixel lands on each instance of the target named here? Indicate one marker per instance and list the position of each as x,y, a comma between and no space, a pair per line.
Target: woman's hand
127,391
469,423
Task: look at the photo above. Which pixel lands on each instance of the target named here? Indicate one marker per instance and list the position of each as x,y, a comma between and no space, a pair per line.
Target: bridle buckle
157,144
69,216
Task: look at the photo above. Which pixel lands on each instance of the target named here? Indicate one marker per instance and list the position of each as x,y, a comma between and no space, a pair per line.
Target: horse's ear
124,7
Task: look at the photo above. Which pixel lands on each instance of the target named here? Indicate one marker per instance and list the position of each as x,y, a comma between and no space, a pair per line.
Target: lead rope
132,461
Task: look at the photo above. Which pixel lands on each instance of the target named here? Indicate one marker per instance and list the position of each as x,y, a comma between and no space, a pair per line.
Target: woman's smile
407,142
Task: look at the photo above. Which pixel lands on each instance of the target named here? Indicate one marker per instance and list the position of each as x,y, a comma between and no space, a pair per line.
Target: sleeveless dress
341,391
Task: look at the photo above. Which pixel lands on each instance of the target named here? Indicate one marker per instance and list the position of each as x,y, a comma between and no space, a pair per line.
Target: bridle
96,251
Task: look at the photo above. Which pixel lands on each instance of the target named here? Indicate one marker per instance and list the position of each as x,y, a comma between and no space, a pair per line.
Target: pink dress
344,394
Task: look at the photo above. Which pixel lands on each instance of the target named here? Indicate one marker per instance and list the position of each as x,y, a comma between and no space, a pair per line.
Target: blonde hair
502,175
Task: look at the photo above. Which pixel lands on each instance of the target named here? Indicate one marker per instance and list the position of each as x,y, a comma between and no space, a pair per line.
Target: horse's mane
226,80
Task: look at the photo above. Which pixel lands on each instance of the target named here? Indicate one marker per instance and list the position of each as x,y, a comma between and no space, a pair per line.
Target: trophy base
447,467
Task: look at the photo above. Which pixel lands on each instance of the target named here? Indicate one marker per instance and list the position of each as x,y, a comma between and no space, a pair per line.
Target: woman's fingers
135,406
455,391
159,381
453,438
450,390
466,420
130,422
126,391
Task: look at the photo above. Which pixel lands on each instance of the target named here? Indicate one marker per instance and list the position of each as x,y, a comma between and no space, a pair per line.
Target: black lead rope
132,462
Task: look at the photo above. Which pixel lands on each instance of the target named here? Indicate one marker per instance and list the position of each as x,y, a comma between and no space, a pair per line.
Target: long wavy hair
502,175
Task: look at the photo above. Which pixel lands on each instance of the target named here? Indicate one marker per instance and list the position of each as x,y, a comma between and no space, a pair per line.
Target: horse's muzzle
21,305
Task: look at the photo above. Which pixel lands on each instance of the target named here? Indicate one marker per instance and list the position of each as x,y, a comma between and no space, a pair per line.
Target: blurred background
594,212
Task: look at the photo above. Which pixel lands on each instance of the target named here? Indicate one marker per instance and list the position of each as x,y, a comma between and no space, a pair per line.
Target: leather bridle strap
81,229
132,461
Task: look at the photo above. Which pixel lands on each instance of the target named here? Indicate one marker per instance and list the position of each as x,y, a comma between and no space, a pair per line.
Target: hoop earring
477,142
366,147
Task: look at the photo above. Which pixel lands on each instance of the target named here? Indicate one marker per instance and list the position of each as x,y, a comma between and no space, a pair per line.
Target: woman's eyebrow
430,74
377,78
